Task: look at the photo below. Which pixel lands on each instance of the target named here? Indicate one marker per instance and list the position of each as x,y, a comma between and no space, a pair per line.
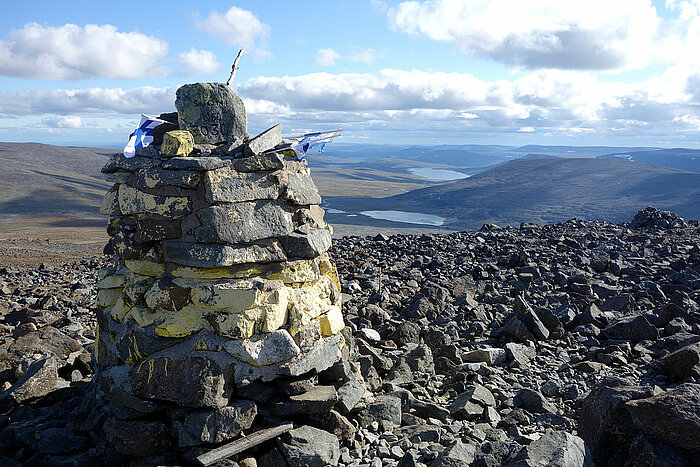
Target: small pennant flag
143,135
301,144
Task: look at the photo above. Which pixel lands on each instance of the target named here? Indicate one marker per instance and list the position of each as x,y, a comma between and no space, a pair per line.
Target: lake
403,216
438,174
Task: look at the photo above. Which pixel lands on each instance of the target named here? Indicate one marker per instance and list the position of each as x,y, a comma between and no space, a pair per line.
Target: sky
511,72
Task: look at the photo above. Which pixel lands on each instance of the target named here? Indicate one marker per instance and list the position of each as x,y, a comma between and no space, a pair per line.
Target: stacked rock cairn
222,306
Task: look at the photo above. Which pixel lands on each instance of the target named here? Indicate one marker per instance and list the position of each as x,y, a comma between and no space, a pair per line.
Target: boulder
554,449
212,112
307,446
673,417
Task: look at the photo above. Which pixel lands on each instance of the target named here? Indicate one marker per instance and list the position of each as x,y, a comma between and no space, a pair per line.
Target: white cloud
67,102
240,28
198,62
326,57
549,103
564,34
73,52
329,57
67,121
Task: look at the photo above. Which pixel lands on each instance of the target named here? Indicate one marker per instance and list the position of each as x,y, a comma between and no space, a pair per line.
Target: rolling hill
678,158
547,190
40,179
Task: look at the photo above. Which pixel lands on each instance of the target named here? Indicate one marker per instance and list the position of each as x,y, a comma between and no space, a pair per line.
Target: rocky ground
567,344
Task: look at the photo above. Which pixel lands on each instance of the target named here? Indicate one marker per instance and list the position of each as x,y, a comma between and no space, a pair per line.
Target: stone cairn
222,307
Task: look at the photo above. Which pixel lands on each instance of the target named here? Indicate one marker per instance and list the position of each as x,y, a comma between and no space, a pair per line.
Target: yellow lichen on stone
331,322
276,310
182,323
233,296
108,297
120,309
300,271
112,281
238,325
187,272
177,143
145,268
309,301
143,316
134,201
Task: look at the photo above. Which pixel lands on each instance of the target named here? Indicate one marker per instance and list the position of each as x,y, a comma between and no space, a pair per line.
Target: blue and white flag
301,144
143,135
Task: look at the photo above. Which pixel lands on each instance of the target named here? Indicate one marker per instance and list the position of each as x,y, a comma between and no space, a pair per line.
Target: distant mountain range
678,158
508,185
547,190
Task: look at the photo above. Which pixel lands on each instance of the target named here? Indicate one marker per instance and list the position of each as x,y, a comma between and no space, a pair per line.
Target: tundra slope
553,344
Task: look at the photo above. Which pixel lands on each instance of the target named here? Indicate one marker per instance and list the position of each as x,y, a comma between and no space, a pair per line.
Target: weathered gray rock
632,328
195,163
191,378
148,230
533,401
157,177
243,222
275,347
266,140
457,454
528,316
649,451
216,426
225,185
490,356
605,424
322,355
38,380
306,245
349,395
683,363
470,404
117,162
318,399
260,162
210,255
386,410
555,449
300,190
673,417
307,446
137,437
212,112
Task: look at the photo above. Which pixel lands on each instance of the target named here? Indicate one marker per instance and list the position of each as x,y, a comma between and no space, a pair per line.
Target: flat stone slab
243,222
156,177
301,190
195,163
135,201
271,348
268,139
117,162
260,162
310,245
231,187
208,255
324,353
